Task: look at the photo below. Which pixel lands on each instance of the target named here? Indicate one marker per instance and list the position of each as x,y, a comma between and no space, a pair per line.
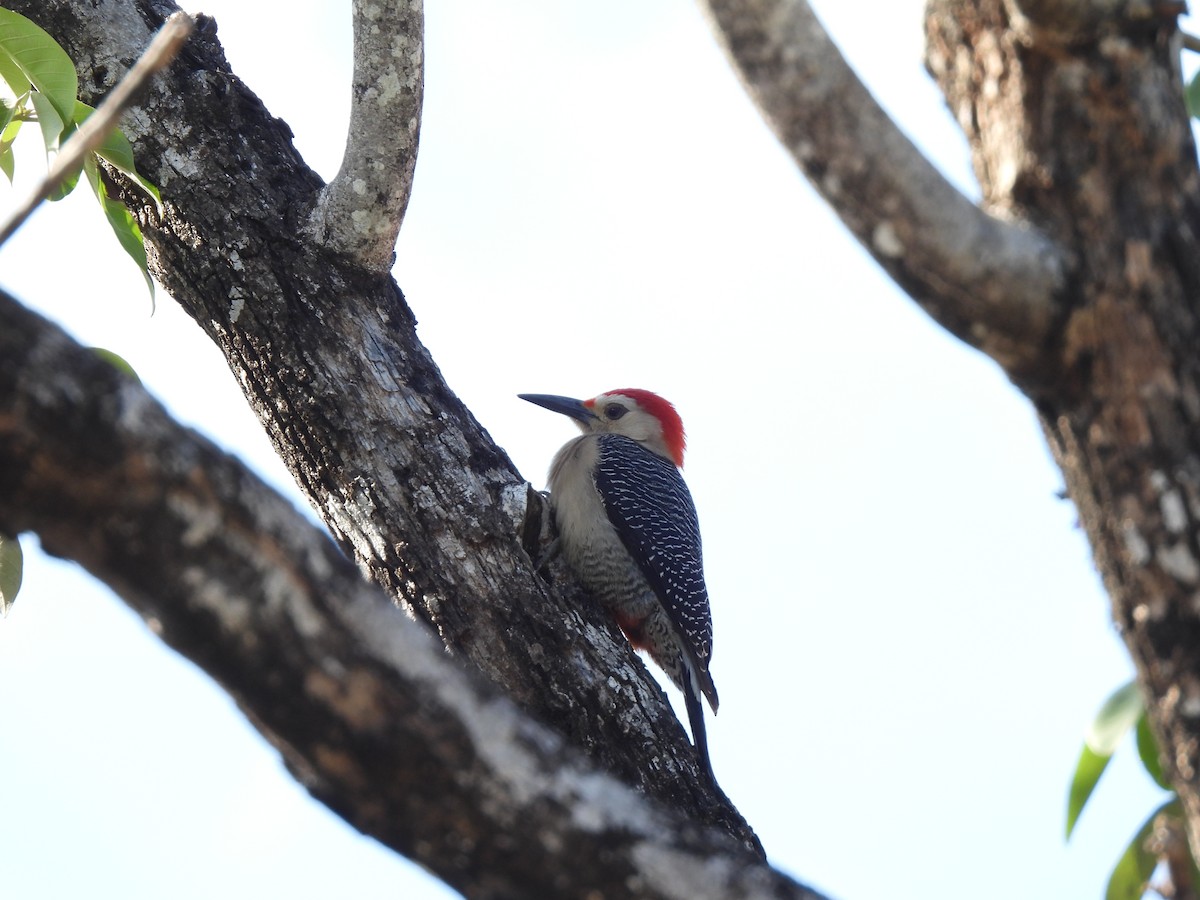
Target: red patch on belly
632,626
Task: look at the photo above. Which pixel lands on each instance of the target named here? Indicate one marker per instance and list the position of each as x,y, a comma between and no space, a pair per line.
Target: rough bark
992,282
1080,137
367,709
1079,274
360,212
325,349
1087,136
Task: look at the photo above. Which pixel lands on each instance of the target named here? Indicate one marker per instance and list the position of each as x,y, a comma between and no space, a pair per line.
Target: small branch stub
359,213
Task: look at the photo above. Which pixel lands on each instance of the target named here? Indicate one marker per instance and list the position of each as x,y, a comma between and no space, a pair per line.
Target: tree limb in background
359,213
369,712
990,282
1075,115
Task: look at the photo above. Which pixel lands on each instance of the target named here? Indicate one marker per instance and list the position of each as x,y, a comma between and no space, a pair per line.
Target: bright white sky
910,636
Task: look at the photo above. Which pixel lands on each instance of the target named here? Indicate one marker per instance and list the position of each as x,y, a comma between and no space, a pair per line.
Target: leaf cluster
38,84
1121,713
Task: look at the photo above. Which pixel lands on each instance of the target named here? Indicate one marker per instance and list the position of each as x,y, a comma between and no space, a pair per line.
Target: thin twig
1190,42
91,133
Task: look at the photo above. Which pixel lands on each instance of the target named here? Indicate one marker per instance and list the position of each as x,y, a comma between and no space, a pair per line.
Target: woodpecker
628,529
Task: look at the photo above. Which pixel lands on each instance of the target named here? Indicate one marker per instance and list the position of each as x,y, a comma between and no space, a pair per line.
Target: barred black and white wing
652,511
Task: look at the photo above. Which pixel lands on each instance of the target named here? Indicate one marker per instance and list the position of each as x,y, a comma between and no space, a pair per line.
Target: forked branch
359,213
992,283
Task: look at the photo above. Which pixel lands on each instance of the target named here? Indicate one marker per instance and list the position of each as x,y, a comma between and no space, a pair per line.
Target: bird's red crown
662,409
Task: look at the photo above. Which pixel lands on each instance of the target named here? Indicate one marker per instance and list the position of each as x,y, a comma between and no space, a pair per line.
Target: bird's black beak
568,406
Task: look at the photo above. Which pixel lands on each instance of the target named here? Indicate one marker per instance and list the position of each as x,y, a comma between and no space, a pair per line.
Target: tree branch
990,282
408,482
359,213
1090,134
370,713
1079,18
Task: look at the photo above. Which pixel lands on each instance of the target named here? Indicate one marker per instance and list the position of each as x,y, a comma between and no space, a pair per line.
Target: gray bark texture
1086,137
359,213
410,486
1083,148
1079,272
368,710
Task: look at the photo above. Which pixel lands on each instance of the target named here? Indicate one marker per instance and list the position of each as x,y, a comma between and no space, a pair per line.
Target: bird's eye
614,411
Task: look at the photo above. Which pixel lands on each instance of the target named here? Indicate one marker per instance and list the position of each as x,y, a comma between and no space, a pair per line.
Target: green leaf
118,152
41,60
1136,865
1132,871
66,185
1148,751
49,121
54,133
7,158
6,154
12,564
10,131
1192,96
124,226
1088,770
117,362
1117,715
14,82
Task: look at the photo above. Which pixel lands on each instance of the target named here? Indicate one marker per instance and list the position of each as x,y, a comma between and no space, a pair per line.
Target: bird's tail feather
695,711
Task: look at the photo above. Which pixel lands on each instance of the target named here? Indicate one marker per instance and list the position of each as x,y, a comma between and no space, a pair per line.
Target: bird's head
641,415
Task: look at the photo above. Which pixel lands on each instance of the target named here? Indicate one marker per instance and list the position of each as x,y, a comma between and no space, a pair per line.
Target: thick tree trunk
326,351
369,712
1079,127
1079,273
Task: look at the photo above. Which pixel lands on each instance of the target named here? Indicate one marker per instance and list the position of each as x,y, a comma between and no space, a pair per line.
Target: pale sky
910,637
